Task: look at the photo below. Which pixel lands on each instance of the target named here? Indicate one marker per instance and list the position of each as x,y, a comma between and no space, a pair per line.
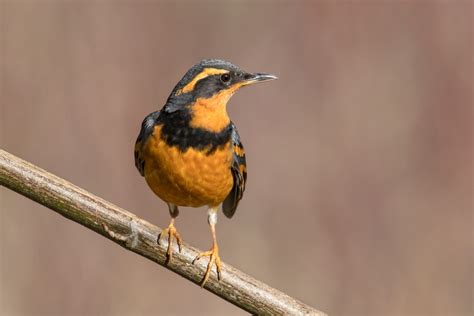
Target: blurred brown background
359,198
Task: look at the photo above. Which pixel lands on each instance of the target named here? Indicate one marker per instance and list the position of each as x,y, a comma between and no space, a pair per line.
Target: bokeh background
359,199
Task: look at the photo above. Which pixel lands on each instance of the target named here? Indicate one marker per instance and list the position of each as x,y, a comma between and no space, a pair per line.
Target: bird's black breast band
175,131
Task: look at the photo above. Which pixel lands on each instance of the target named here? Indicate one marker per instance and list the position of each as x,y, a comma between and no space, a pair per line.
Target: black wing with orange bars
239,173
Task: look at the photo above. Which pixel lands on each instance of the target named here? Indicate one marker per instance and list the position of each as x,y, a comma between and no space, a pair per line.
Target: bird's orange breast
190,178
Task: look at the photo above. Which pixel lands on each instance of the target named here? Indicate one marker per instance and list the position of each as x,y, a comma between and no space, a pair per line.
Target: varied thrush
190,152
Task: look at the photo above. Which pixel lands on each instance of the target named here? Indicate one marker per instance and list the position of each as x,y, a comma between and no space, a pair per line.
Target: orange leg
213,254
171,232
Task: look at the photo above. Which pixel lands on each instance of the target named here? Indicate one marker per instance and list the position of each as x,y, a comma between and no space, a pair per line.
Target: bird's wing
148,125
239,173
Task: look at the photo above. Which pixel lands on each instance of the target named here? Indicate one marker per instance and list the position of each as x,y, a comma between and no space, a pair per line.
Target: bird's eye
225,78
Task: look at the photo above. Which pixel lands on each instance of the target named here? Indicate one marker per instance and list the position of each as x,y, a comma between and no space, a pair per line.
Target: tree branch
139,236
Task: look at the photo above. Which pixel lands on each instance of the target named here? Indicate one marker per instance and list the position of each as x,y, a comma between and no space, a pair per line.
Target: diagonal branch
139,236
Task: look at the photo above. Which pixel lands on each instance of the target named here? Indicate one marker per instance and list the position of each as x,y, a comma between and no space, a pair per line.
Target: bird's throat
211,113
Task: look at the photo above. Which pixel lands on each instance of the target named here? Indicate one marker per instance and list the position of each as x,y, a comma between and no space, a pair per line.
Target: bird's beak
257,77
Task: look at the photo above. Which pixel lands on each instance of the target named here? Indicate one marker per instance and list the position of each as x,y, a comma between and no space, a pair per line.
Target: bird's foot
171,232
214,258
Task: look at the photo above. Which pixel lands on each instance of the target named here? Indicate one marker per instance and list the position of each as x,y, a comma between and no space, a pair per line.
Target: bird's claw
214,258
171,232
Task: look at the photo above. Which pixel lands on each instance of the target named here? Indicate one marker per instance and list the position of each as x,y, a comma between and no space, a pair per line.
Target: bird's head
205,90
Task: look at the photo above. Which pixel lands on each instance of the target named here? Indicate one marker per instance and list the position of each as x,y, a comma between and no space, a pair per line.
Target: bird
190,152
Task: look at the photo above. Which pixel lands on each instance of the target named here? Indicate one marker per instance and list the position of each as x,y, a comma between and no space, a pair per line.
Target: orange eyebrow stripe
203,74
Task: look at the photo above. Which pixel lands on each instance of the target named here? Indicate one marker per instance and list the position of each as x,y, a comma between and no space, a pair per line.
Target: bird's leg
213,254
171,232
